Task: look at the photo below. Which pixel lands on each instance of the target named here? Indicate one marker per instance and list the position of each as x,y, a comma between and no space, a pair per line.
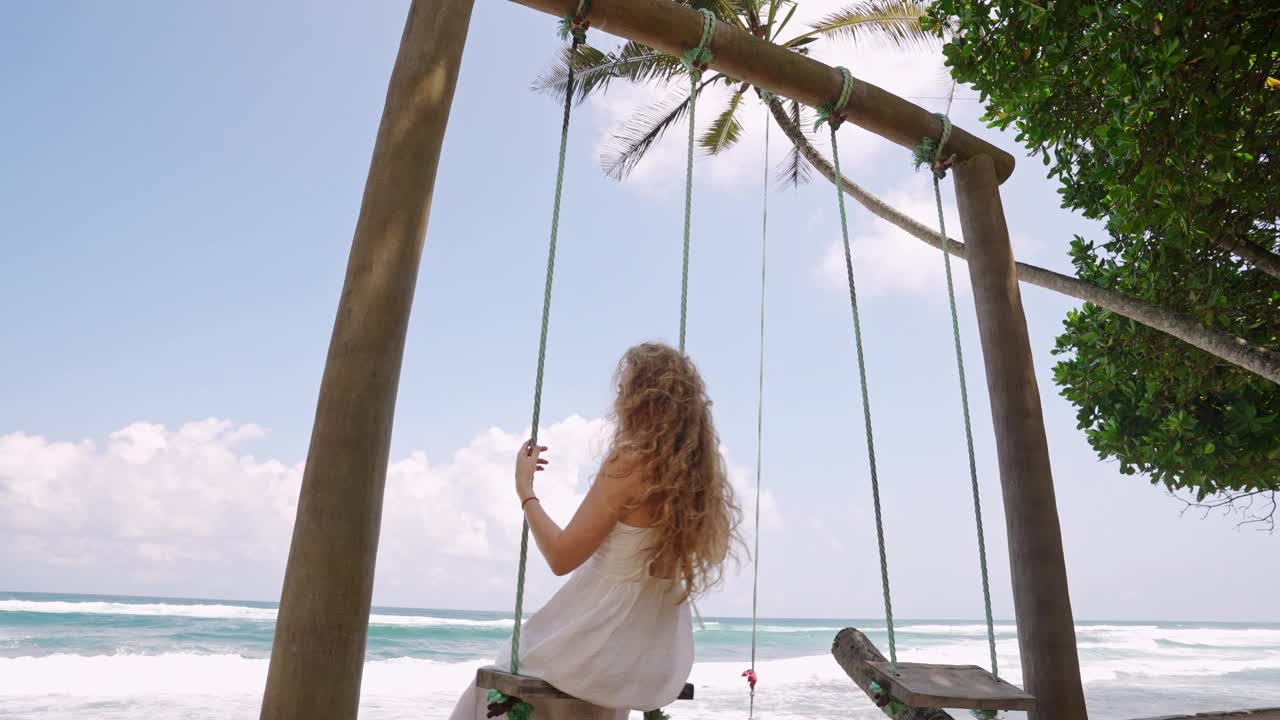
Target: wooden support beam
1042,604
318,652
675,29
854,651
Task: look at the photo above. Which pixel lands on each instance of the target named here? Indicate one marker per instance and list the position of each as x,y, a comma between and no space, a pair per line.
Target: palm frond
752,16
894,22
794,170
782,25
630,142
640,64
595,70
773,12
725,132
554,79
729,12
726,11
748,10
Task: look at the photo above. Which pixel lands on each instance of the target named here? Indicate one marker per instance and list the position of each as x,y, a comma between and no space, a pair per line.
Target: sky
179,183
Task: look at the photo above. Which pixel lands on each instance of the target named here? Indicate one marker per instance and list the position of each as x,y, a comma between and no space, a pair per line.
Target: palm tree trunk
1228,347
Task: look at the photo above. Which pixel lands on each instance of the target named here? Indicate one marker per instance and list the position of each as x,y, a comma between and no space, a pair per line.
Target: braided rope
832,116
939,171
696,60
755,579
579,25
832,113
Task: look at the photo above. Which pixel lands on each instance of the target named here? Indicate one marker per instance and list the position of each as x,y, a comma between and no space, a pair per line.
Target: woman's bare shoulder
622,475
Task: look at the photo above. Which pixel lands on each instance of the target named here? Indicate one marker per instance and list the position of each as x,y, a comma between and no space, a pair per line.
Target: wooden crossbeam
674,29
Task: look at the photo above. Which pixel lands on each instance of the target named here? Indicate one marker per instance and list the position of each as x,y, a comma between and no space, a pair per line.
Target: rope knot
941,166
699,59
929,151
878,695
513,707
882,700
579,30
833,113
576,25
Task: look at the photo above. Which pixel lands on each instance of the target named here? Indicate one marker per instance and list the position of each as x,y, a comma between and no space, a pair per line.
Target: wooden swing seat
948,686
528,688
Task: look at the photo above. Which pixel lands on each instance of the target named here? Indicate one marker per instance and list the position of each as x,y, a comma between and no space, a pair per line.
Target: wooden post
1046,633
318,652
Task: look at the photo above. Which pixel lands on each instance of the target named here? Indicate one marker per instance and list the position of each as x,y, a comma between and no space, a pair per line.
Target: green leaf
773,13
725,131
893,22
795,170
781,26
595,70
630,143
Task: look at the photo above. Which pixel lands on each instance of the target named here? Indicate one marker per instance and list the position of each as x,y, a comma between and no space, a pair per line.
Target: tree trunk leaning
1256,255
317,655
1237,351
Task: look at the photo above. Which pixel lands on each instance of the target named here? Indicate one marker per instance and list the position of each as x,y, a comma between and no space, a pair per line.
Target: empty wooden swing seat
948,686
530,688
925,689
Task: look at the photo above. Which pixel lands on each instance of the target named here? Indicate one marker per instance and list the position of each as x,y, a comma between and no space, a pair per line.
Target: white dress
613,636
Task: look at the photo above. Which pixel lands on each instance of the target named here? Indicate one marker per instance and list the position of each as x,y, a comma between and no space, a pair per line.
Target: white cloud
665,160
743,480
148,496
464,508
153,505
886,260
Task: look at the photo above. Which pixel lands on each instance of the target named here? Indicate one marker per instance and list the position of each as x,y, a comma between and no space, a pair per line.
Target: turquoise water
65,656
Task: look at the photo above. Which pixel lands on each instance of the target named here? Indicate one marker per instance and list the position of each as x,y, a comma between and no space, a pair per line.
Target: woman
654,530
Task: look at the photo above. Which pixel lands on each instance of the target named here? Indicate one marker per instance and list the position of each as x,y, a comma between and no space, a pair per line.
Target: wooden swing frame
318,650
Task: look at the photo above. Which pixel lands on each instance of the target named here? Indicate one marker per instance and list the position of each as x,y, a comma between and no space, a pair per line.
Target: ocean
126,658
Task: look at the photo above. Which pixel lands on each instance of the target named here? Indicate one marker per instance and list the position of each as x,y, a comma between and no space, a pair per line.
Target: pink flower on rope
750,675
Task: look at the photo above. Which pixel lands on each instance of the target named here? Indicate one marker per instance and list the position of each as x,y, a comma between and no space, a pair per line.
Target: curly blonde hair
664,431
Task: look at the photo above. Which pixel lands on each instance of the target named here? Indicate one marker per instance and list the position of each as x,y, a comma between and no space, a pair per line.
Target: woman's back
626,554
653,531
614,635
